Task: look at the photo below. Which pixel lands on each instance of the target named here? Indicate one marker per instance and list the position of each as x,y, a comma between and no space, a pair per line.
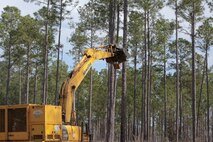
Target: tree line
163,92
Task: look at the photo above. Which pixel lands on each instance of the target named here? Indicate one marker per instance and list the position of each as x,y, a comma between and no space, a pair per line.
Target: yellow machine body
32,122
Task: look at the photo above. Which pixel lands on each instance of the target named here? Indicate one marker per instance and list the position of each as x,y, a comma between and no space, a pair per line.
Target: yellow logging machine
48,123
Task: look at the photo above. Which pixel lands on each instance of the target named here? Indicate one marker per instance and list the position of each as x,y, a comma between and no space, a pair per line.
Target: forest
163,92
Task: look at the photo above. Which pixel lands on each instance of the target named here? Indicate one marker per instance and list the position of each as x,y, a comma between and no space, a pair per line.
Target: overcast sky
30,8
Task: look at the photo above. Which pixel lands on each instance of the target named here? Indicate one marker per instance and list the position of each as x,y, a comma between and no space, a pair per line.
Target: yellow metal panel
45,113
36,113
18,106
53,132
37,132
53,122
76,130
3,136
53,114
49,130
46,119
74,133
17,135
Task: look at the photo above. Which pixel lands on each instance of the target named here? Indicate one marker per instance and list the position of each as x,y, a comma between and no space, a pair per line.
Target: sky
30,8
169,14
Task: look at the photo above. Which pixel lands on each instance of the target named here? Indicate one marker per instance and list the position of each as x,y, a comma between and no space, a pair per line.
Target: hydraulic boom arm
112,55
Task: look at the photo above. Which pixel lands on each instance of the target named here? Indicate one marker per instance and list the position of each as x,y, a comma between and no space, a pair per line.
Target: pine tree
9,23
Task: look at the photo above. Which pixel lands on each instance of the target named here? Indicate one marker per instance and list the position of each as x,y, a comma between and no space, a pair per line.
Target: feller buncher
45,123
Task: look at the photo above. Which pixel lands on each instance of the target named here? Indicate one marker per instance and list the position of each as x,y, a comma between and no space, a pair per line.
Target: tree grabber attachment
119,55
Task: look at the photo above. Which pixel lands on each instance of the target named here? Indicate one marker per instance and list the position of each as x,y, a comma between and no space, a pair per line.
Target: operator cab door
17,123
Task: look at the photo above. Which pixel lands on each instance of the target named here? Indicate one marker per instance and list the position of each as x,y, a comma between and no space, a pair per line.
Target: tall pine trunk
27,75
144,83
91,88
135,93
181,109
123,100
8,75
45,77
20,84
58,54
165,96
193,74
207,92
149,78
90,105
177,72
111,96
35,83
200,95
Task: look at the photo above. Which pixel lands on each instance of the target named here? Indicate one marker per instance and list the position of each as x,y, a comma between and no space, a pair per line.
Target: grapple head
119,56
